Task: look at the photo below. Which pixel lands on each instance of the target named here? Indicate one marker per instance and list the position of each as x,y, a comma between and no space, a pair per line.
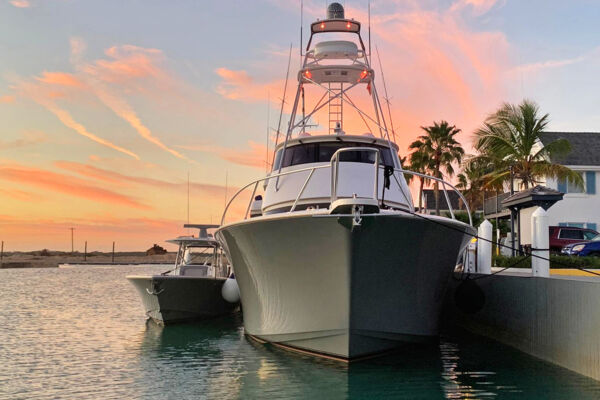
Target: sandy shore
52,259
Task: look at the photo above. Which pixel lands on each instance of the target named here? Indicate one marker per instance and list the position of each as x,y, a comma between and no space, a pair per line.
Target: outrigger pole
287,75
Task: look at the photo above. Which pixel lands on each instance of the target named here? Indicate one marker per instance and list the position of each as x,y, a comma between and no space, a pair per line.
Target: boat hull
173,299
314,282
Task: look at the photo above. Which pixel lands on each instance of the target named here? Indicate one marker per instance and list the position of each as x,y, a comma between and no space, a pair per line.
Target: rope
527,254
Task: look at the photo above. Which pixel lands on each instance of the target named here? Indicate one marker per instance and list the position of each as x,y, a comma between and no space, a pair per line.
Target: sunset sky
106,106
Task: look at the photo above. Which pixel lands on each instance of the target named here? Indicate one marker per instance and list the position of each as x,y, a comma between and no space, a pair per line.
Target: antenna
268,129
301,23
226,176
387,100
188,198
287,75
370,55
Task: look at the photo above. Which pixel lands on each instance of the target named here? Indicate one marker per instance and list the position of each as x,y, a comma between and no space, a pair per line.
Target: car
590,248
561,236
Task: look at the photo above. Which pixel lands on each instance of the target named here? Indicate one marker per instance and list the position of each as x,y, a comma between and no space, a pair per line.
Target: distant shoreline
51,259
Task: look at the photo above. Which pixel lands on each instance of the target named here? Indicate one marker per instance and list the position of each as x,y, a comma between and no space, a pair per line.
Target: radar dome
335,11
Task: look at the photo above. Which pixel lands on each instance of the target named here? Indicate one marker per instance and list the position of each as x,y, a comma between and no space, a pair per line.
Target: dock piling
113,253
484,248
540,264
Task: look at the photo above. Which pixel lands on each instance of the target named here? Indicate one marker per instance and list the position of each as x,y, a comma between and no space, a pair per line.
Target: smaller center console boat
200,286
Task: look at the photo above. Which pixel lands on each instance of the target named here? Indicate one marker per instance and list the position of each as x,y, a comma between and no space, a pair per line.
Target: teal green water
80,334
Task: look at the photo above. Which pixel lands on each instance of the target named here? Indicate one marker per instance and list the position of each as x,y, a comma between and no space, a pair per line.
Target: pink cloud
20,3
125,63
7,99
60,79
254,156
238,85
479,7
128,63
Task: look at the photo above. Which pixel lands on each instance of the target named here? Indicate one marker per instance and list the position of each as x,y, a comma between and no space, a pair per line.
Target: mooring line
526,254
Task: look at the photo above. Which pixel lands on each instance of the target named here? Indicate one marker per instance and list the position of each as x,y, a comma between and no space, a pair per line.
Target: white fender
230,291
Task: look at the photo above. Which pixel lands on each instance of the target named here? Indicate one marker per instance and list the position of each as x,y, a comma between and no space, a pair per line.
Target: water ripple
80,333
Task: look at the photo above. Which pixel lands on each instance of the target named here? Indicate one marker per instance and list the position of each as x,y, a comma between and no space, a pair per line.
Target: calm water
80,333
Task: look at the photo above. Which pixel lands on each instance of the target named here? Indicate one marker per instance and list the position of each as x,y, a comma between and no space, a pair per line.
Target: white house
580,205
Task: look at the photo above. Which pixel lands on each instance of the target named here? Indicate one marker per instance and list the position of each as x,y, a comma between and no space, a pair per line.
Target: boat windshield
323,151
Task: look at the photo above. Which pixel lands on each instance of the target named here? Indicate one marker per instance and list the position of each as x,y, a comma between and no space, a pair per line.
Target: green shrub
555,262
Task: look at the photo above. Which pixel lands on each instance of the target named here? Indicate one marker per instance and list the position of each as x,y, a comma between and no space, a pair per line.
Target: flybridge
336,67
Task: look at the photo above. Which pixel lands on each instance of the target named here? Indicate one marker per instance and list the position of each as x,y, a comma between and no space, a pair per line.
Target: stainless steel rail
334,166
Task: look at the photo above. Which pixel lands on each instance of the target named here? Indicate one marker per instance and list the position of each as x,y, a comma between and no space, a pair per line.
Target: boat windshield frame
289,157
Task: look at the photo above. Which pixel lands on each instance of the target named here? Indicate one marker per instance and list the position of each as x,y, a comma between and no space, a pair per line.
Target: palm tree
440,151
419,162
510,139
473,181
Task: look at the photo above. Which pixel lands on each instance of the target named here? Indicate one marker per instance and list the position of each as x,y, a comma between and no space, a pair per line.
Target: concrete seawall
556,319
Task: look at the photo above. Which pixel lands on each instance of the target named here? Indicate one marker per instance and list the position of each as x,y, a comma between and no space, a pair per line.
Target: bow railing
334,166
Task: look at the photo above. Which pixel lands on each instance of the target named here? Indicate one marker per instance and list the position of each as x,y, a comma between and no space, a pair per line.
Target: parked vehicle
582,249
561,236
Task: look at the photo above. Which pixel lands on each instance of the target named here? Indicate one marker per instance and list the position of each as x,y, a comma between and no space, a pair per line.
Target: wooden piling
1,252
85,252
113,253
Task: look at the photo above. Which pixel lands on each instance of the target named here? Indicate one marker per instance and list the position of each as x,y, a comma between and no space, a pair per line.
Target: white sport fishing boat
200,286
334,260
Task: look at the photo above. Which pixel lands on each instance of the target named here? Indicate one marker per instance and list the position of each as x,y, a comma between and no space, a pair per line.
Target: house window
589,184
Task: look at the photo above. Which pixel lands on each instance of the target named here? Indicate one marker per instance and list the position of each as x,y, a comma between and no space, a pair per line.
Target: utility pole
72,247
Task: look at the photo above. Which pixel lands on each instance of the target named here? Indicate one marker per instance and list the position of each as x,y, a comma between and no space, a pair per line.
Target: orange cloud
252,157
19,195
129,62
130,234
60,78
45,96
65,184
126,62
20,3
238,85
7,99
68,121
122,179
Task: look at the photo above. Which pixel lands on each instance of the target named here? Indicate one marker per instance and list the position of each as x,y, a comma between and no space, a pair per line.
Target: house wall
577,208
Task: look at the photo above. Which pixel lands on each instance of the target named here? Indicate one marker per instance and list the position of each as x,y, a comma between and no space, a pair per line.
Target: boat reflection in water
334,260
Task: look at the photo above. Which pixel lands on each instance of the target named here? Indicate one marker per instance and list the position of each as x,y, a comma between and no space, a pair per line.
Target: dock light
322,25
308,74
348,25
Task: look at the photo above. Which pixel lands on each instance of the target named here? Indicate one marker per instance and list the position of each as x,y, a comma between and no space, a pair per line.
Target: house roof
536,196
585,147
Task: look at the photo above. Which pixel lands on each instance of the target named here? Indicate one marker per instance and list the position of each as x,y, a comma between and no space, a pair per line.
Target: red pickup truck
561,236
